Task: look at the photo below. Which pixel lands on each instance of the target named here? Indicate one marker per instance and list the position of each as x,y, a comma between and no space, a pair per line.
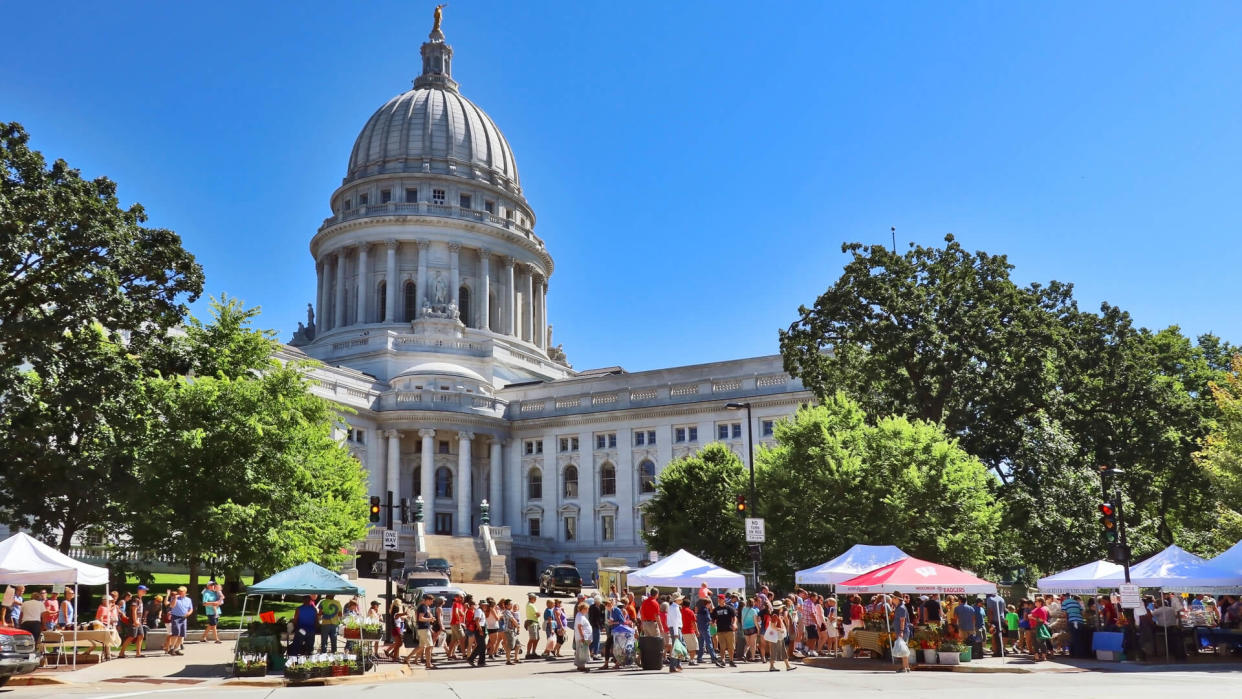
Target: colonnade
524,317
463,498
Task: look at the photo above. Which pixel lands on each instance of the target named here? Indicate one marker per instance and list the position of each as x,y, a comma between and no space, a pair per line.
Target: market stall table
98,640
877,642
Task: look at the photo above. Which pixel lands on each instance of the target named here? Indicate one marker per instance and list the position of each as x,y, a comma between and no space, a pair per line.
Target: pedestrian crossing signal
375,509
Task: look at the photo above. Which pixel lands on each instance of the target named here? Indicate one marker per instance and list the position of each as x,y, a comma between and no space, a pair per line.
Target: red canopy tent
914,575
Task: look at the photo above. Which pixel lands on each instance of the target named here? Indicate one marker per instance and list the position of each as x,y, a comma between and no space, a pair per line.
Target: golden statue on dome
439,15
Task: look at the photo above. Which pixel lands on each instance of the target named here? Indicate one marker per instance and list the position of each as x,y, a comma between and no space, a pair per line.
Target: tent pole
76,617
240,624
888,629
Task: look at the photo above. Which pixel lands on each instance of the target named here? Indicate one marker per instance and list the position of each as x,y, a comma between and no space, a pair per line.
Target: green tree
833,480
241,467
1222,454
694,507
85,291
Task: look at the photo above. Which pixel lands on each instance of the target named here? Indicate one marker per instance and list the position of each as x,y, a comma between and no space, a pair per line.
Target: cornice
656,412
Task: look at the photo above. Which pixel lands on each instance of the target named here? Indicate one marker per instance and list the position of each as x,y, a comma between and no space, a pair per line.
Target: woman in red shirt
1038,618
689,632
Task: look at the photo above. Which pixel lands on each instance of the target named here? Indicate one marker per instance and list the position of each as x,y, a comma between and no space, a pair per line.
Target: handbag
1044,633
772,634
900,649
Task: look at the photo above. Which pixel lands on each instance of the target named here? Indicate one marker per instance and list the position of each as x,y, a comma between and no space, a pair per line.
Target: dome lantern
437,61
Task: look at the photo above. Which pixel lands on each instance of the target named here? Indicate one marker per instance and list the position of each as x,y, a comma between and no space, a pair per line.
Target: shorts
812,632
651,628
424,638
750,631
139,631
532,631
213,620
691,641
457,632
177,628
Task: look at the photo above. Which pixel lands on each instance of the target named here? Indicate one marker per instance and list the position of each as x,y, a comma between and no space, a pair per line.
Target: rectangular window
363,199
444,522
358,436
737,430
349,204
679,435
650,437
509,214
729,430
534,446
564,444
640,438
612,440
464,202
489,206
444,446
385,196
693,435
646,523
606,440
608,527
411,194
766,428
571,528
573,444
530,447
532,525
437,195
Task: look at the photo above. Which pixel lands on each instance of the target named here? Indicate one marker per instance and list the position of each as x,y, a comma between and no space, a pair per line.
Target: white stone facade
433,327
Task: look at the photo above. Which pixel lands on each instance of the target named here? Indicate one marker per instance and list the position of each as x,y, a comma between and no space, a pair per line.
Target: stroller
623,645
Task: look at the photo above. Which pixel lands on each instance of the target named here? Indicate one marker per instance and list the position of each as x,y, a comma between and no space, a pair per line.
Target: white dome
433,129
440,369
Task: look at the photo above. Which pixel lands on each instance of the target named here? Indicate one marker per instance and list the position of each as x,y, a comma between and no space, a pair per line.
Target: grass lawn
164,581
282,609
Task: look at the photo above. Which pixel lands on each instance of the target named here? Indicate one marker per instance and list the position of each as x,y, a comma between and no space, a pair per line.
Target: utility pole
388,559
893,230
750,462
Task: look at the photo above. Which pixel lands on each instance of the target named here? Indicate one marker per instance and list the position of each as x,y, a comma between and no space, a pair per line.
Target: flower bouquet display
952,653
927,639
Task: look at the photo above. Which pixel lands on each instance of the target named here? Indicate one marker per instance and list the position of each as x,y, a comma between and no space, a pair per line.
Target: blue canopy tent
305,579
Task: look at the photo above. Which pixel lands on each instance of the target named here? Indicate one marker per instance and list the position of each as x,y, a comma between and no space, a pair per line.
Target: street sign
754,530
1130,598
390,540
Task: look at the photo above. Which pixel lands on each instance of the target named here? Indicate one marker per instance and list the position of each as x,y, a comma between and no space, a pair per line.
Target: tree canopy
834,480
694,507
1039,390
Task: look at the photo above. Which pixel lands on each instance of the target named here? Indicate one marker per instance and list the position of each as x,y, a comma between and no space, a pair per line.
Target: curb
386,676
868,664
36,681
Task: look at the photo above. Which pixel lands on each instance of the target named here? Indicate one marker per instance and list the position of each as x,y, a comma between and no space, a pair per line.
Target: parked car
448,592
560,577
439,565
17,654
418,578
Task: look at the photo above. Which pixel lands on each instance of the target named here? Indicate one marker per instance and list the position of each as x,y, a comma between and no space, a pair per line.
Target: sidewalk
1024,665
204,664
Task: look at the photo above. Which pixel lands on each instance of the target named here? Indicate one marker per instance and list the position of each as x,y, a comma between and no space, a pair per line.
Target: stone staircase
470,558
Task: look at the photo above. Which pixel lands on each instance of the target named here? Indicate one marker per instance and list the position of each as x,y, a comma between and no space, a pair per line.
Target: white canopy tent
859,559
24,560
684,569
1230,560
1085,579
1177,569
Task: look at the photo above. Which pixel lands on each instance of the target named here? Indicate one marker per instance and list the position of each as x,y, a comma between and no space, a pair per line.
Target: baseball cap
143,587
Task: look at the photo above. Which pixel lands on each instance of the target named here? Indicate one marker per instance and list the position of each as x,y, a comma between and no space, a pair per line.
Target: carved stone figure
310,316
441,288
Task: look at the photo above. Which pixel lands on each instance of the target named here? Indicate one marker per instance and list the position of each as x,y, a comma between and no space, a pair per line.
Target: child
1011,627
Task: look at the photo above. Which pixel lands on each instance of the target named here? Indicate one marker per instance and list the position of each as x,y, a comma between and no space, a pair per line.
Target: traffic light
1108,519
375,509
741,505
395,562
405,510
1119,553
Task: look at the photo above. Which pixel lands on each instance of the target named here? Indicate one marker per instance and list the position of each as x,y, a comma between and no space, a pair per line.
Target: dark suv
17,654
560,577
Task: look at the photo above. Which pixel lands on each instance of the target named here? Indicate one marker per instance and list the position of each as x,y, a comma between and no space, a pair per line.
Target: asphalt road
542,681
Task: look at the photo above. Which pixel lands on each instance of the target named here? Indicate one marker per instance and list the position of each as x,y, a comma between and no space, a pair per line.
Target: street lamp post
750,464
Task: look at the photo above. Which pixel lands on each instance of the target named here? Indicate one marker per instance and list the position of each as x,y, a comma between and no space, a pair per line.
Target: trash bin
651,652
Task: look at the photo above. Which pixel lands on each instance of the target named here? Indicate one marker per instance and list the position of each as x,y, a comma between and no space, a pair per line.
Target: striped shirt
1073,610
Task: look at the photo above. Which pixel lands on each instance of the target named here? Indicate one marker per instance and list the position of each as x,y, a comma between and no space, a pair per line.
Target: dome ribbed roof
433,129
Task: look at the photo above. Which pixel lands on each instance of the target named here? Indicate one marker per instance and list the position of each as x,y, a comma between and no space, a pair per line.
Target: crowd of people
132,615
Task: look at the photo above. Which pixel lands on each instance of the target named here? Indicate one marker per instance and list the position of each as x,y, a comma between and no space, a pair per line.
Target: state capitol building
432,325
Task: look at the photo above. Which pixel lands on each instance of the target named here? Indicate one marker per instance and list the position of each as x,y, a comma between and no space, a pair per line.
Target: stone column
362,285
510,314
338,301
515,488
427,475
485,292
455,274
424,248
390,282
377,465
320,321
464,474
494,491
394,462
529,304
543,314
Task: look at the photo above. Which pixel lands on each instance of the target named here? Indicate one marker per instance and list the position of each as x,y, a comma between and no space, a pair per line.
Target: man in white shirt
582,638
673,622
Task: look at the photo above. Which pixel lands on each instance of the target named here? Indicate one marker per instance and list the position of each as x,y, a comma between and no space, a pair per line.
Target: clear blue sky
694,166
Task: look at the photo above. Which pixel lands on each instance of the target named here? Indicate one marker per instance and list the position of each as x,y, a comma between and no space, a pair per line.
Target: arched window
444,482
607,480
411,301
463,306
571,481
381,299
534,484
646,477
418,481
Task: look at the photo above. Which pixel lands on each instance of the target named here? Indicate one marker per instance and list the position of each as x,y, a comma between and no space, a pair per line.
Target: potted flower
950,652
357,627
297,669
250,665
926,638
